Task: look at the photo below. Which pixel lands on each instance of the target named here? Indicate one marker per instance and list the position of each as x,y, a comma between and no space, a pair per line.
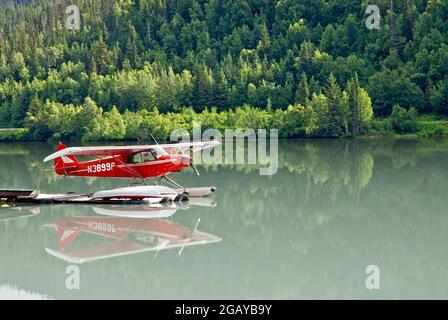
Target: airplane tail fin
65,235
63,164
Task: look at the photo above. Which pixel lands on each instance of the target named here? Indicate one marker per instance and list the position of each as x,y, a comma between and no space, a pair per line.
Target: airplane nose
186,160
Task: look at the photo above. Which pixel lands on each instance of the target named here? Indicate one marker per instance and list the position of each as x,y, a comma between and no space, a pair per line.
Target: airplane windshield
141,157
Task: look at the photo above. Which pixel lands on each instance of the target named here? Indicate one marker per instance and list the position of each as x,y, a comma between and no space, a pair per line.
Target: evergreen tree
302,93
353,104
100,56
337,109
219,91
204,83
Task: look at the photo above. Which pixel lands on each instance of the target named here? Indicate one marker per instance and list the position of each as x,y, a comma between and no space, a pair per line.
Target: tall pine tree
355,114
337,113
303,93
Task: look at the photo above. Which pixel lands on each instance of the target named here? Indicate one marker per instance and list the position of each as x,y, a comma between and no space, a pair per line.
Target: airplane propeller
192,165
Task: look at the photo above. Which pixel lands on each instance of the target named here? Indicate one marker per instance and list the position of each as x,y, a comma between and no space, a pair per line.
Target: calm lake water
333,208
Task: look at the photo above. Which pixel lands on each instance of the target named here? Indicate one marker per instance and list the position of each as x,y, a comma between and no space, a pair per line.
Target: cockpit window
141,157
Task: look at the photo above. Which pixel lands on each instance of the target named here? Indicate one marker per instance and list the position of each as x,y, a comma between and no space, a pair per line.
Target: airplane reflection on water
120,230
124,230
122,236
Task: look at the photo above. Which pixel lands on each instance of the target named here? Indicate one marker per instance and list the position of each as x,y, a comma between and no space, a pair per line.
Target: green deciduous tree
404,120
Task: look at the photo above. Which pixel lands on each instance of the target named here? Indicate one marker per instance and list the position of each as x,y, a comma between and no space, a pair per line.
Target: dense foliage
308,68
332,113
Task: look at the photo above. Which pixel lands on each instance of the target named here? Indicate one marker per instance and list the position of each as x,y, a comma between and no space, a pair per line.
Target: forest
141,67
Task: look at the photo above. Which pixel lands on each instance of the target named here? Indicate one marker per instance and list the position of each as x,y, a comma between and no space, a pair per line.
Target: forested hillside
305,67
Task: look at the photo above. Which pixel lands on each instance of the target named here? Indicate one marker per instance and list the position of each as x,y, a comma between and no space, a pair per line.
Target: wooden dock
31,196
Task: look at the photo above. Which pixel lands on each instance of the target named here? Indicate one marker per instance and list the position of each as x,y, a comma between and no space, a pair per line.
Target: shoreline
366,137
425,128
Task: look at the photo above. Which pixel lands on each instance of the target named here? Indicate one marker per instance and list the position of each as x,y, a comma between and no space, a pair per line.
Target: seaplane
120,236
137,162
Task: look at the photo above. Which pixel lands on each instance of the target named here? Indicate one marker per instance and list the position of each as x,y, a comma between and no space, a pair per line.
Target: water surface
333,208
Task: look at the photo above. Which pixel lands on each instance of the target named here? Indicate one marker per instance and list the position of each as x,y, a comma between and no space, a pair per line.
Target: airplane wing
97,151
125,150
193,146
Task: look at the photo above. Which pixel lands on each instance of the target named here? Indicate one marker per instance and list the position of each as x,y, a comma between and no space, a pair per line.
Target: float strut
173,182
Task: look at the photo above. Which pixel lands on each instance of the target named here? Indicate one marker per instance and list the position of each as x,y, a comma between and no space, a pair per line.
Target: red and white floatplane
140,163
